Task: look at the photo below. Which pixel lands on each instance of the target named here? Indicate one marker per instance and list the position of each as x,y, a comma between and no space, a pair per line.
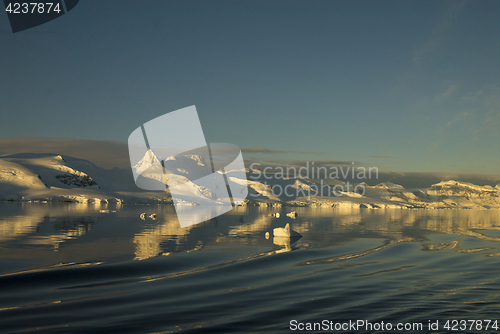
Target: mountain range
31,177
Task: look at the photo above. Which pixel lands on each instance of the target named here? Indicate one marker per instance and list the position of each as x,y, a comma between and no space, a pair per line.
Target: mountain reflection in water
55,258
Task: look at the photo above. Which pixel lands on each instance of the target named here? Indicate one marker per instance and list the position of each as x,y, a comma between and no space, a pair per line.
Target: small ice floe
292,214
267,235
107,211
151,216
286,237
285,232
277,215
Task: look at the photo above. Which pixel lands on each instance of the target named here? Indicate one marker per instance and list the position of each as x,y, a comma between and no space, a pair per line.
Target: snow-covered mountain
462,194
43,171
148,162
159,173
53,177
443,195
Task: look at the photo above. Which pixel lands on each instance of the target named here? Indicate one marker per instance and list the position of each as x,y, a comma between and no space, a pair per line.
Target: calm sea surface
71,268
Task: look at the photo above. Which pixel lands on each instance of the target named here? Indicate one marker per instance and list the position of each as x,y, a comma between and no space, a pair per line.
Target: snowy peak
189,159
179,164
184,172
460,187
389,185
179,168
148,161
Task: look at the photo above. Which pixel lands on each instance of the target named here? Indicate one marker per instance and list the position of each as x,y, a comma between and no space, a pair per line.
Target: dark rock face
75,180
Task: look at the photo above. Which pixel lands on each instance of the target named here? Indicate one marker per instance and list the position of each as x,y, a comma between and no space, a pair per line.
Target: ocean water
70,268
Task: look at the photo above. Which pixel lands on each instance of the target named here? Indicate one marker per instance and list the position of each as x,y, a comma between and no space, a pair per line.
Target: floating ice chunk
292,214
285,232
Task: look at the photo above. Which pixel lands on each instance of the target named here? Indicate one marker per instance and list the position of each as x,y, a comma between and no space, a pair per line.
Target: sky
406,86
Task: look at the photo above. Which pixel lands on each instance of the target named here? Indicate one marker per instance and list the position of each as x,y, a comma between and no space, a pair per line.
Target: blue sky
410,86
